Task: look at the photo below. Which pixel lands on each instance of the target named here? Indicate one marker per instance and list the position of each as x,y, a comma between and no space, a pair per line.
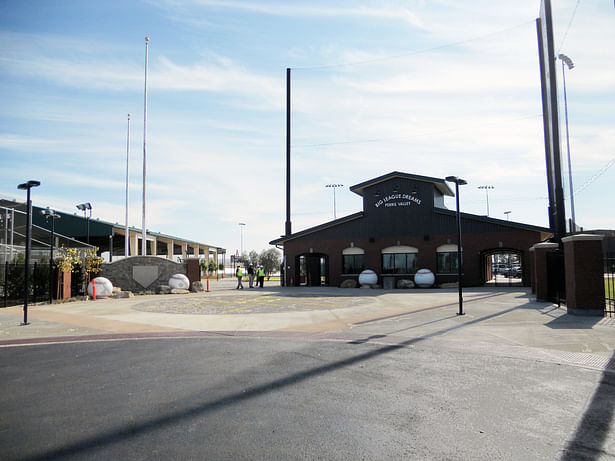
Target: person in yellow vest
239,274
261,276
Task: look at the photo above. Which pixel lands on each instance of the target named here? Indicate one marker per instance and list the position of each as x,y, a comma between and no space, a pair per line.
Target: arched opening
313,269
503,267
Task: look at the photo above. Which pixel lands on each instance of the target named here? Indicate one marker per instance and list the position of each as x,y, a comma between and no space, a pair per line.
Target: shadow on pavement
587,443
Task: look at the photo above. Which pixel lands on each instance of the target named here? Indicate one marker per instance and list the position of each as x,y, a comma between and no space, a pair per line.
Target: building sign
397,200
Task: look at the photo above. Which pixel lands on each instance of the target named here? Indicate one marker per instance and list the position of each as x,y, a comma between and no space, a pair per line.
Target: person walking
251,275
239,275
261,276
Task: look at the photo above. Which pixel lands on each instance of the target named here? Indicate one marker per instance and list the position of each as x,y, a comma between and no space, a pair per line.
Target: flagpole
144,231
127,235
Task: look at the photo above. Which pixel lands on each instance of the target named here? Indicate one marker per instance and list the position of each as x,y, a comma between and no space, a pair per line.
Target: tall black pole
288,223
459,262
27,268
51,260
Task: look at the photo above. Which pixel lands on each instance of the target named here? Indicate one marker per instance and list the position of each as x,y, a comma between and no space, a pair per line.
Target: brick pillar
540,282
531,262
193,267
584,274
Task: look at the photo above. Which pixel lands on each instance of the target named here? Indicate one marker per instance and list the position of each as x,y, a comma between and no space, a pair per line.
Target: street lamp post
241,225
487,195
458,182
507,213
566,60
85,207
334,186
27,186
50,214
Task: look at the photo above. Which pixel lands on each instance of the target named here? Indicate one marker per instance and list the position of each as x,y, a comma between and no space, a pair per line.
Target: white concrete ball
424,278
104,287
179,281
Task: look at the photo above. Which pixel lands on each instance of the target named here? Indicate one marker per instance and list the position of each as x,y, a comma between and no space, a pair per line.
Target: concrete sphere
179,281
368,277
104,287
424,278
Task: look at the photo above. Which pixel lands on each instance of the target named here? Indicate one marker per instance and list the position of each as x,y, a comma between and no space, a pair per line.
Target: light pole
144,229
127,231
50,214
334,186
27,186
487,195
85,207
566,60
507,213
241,225
458,182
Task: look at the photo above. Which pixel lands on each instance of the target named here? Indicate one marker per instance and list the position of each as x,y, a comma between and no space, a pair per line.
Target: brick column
584,274
540,282
531,262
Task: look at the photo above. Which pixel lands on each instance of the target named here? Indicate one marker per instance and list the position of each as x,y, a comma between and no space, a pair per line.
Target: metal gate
556,277
609,285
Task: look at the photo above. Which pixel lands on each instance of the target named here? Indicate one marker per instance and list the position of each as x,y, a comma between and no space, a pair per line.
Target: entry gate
609,285
556,277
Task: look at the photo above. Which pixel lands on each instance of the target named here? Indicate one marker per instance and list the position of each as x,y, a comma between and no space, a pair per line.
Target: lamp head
29,184
566,60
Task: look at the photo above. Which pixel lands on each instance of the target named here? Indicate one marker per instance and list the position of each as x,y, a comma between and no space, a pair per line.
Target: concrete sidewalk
497,320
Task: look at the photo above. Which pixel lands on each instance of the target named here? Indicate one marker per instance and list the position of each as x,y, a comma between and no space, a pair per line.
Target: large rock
404,283
197,287
348,283
179,282
448,285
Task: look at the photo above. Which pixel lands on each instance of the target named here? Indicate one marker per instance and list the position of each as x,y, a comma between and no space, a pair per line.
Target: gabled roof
440,184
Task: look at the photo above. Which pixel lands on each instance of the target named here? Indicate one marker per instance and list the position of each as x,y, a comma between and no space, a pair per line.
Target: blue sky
434,88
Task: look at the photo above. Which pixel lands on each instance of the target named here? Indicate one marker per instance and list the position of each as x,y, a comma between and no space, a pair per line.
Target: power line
595,176
412,53
400,138
574,12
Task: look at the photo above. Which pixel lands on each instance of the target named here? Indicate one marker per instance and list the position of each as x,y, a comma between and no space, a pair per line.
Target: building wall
123,273
402,212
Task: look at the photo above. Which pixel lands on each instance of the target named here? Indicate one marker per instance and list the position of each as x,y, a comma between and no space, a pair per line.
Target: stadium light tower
566,61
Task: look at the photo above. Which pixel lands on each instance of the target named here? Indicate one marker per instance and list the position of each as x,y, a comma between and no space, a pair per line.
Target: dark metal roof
501,222
440,184
345,219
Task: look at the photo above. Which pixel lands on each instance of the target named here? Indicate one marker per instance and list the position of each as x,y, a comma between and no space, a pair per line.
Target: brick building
405,226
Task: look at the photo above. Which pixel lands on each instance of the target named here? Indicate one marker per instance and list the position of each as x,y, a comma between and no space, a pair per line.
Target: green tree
270,260
211,267
253,258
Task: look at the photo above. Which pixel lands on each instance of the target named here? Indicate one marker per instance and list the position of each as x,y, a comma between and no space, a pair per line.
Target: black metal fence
609,285
12,277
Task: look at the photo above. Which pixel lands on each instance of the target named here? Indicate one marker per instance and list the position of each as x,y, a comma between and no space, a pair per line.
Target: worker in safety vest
261,276
239,274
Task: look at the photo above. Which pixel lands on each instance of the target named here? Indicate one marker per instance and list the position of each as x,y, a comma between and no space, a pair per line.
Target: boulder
125,294
197,287
448,285
164,290
348,283
179,291
404,283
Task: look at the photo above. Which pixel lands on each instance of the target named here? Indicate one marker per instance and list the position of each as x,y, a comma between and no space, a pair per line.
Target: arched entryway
502,267
313,269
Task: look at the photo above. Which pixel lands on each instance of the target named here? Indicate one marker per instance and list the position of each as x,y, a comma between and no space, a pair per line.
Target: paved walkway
503,321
